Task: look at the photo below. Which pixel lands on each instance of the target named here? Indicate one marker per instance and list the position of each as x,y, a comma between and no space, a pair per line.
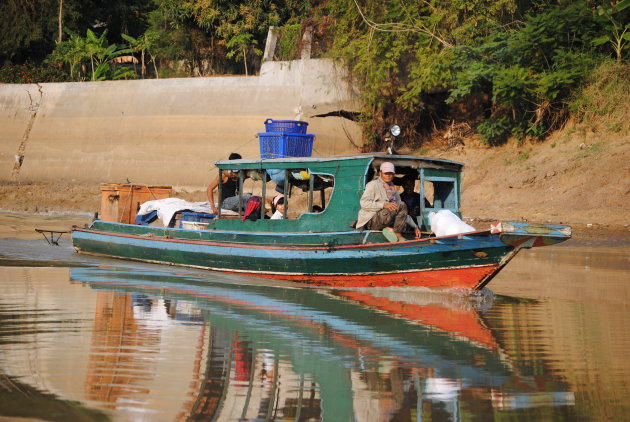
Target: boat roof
403,160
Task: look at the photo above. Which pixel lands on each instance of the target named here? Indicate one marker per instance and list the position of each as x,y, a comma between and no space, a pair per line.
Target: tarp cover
166,208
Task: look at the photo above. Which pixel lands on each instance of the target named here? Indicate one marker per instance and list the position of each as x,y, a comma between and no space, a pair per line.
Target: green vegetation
289,42
511,68
95,53
604,99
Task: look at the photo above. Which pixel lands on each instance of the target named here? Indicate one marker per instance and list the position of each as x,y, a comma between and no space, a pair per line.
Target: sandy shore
19,225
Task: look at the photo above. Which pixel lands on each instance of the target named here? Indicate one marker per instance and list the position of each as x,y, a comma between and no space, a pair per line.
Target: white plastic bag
445,223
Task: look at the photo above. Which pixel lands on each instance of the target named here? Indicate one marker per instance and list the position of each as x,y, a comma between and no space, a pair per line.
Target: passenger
410,197
382,208
229,190
277,206
317,209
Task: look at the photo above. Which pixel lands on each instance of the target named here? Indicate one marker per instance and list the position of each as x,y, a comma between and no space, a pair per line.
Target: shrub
29,73
529,72
288,46
604,100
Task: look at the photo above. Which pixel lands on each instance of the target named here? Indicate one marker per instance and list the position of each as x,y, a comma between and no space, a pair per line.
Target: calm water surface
94,339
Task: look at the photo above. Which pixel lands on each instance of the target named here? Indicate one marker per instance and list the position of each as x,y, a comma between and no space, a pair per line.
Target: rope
238,148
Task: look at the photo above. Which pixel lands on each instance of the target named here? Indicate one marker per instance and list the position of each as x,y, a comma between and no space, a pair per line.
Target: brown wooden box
120,203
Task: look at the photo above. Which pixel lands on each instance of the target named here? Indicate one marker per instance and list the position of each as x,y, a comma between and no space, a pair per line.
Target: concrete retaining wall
167,131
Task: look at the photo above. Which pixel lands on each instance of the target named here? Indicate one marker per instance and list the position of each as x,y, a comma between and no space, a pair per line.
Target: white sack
167,207
445,223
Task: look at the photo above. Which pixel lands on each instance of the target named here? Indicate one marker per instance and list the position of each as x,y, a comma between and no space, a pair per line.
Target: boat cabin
323,194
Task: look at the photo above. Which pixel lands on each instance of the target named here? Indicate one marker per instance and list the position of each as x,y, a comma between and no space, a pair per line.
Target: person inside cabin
410,197
277,206
382,208
229,190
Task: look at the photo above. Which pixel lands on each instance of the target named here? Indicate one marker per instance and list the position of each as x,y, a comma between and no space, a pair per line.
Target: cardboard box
120,202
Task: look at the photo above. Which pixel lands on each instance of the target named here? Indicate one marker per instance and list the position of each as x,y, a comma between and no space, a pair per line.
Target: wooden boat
324,248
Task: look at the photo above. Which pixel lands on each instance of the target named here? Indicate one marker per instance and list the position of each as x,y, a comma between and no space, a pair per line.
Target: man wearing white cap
382,208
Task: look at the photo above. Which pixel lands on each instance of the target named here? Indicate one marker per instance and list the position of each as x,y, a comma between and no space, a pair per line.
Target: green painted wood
453,253
247,232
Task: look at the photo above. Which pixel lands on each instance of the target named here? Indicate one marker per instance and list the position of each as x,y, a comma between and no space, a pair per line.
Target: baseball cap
388,167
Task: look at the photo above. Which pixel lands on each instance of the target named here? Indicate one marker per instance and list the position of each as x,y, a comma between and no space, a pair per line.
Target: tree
612,19
143,44
215,30
26,29
93,49
511,65
71,53
528,72
239,46
402,55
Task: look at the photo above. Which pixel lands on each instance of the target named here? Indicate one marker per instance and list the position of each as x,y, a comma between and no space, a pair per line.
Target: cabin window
429,194
440,194
250,183
440,191
304,191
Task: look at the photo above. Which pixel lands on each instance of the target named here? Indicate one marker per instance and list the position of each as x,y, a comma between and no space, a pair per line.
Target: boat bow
529,235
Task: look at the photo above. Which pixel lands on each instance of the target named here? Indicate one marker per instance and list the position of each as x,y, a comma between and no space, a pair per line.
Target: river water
85,338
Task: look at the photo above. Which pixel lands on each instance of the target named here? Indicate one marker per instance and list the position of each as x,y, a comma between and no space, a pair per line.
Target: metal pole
286,192
220,192
264,193
240,192
311,186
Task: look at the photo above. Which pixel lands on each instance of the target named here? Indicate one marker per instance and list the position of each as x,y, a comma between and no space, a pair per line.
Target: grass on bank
603,104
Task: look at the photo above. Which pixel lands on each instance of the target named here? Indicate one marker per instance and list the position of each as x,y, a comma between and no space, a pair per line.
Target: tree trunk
245,59
59,39
157,76
142,66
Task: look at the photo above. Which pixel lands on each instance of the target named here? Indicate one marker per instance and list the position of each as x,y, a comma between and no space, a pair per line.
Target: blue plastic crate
198,217
285,126
280,145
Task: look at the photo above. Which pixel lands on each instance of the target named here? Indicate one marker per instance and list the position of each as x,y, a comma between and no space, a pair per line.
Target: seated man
229,196
382,208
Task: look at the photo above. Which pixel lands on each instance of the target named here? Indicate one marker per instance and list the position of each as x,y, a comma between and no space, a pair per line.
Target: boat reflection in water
269,352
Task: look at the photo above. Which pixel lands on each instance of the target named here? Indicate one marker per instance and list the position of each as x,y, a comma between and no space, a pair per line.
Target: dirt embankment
576,177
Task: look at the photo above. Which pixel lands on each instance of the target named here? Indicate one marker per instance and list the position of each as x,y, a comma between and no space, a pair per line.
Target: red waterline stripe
460,277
